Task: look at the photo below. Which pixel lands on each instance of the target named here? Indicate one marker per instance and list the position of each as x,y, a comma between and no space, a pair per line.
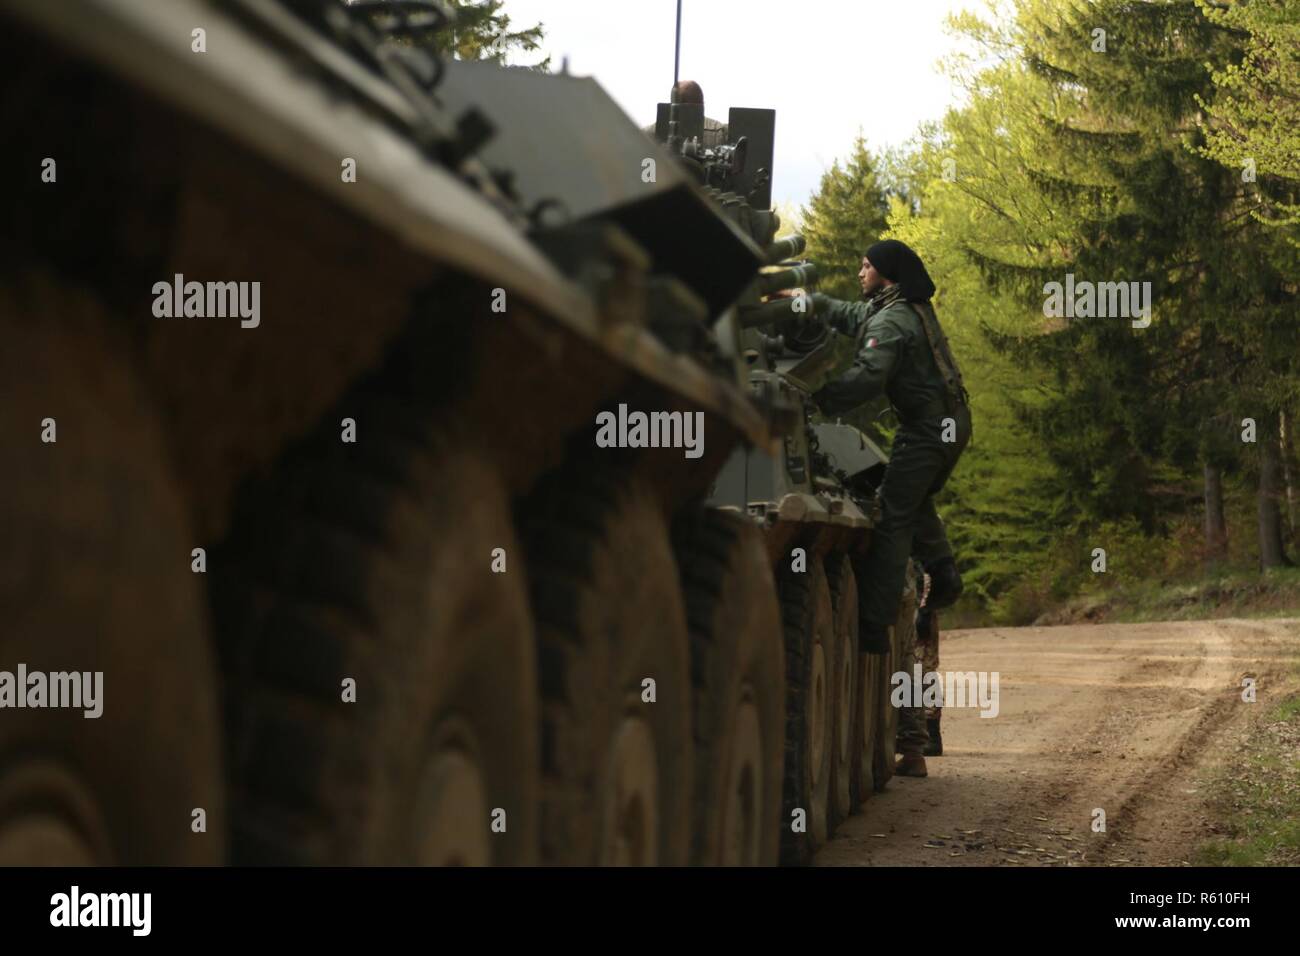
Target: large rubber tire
809,625
844,689
738,688
616,767
373,562
95,576
873,684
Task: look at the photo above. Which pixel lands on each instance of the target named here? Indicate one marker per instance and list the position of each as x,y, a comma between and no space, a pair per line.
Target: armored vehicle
308,332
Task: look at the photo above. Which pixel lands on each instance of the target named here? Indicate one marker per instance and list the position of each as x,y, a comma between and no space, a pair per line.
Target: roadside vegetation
1257,796
1153,145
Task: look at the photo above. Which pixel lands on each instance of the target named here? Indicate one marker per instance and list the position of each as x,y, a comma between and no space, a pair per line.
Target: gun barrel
783,249
791,278
778,310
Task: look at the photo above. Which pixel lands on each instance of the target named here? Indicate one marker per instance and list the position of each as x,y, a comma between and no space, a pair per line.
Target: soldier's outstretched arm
870,372
846,317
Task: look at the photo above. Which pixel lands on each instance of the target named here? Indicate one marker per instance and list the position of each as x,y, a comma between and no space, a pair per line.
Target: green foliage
1258,795
1114,158
1253,121
1082,154
482,31
848,213
1003,505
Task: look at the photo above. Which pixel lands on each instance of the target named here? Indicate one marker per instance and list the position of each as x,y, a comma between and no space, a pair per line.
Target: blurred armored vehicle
306,332
814,498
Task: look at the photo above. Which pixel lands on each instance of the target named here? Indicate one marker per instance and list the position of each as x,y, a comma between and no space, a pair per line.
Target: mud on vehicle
362,587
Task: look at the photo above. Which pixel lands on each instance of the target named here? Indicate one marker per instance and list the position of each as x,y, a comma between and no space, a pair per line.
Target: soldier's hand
783,294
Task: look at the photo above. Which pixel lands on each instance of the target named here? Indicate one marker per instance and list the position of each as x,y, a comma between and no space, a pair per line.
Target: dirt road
1125,718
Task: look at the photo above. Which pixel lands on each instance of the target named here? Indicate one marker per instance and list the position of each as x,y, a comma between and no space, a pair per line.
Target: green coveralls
896,357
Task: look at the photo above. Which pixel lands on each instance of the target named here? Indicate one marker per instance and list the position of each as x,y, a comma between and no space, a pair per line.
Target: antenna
674,137
677,54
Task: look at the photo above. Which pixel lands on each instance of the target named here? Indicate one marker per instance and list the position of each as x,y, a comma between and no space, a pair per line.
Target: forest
1149,143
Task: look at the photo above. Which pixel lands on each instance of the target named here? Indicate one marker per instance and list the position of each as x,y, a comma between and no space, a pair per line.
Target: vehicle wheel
738,700
373,562
95,577
869,718
809,626
844,701
616,763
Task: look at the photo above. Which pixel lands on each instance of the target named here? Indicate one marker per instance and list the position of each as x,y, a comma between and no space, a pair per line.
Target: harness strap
943,359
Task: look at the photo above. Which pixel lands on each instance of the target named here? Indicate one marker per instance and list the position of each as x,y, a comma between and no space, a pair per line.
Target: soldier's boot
945,584
935,747
910,765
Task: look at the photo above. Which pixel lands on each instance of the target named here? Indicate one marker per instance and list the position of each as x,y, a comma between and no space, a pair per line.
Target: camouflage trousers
920,644
912,734
927,646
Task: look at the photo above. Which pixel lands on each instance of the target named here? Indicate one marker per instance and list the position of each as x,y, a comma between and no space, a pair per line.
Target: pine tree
482,31
847,214
1253,121
1100,112
1004,504
1080,151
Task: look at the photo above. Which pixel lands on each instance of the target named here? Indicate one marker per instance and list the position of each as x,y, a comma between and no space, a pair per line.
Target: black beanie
897,262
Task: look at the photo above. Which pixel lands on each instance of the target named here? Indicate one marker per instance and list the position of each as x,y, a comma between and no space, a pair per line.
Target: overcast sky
827,67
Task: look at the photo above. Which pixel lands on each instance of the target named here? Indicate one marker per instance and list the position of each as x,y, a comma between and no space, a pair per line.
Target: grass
1237,593
1258,796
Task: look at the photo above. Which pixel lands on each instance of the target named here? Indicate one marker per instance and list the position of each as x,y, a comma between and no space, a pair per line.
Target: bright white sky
828,67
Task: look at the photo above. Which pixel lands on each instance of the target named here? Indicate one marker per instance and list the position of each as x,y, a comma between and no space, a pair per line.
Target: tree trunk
1216,528
1271,553
1288,472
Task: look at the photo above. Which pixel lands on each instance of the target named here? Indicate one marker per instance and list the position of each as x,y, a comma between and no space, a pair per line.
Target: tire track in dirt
1121,717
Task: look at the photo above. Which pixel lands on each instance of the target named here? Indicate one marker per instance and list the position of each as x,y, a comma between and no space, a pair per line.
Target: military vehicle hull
360,585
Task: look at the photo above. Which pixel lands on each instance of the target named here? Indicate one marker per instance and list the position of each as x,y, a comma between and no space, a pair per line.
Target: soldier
904,354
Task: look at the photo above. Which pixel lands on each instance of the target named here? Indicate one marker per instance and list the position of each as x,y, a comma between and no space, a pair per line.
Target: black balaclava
897,262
